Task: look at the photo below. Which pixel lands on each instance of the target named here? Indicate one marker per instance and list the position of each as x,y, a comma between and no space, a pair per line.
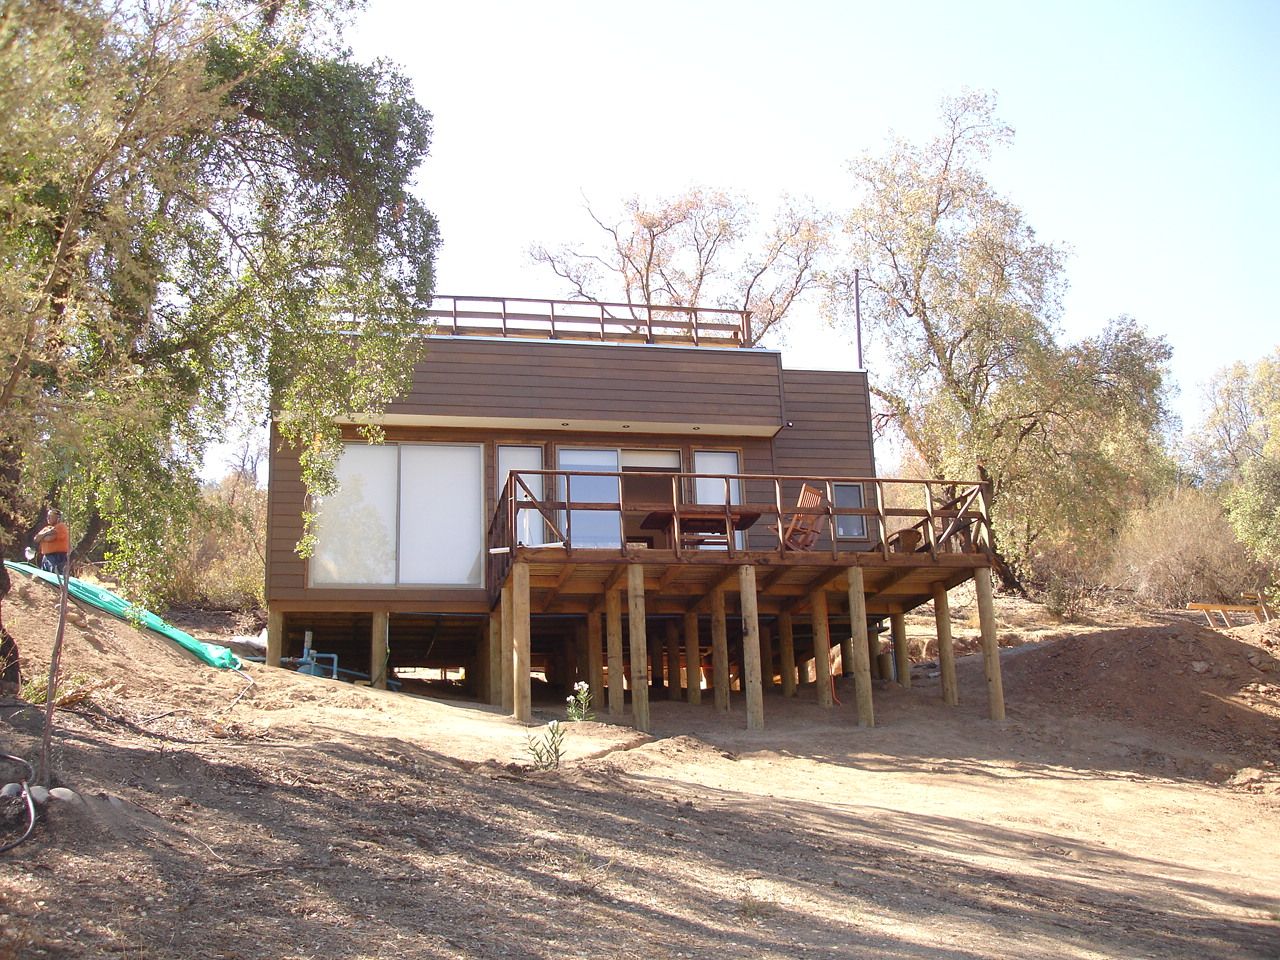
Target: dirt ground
1127,808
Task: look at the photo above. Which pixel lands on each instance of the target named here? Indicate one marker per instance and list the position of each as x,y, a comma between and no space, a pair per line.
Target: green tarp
210,653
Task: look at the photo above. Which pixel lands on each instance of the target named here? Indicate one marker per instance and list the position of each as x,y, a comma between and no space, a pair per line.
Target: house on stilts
626,495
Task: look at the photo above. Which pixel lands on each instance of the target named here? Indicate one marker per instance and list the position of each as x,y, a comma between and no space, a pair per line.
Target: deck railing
589,320
734,514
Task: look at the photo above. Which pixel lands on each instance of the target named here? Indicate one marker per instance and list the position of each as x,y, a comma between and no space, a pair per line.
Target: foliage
199,202
700,249
579,703
74,689
1180,548
547,751
964,300
1237,448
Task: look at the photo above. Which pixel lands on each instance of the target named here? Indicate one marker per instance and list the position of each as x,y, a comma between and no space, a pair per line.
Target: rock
11,791
1220,772
39,794
1199,666
65,795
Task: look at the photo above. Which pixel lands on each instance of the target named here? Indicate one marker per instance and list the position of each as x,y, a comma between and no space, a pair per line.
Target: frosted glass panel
530,529
661,459
592,528
356,526
441,514
716,461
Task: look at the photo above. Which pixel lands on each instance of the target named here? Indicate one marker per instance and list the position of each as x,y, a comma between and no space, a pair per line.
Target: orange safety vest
60,542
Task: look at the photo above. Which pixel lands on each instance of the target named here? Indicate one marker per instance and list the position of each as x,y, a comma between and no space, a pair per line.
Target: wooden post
946,649
787,641
901,653
847,654
613,635
861,648
493,656
719,651
821,647
275,637
522,704
595,659
581,670
766,655
990,644
639,653
692,659
673,661
379,647
751,677
507,659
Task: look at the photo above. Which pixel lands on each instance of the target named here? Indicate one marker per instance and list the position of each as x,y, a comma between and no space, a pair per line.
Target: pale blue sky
1147,135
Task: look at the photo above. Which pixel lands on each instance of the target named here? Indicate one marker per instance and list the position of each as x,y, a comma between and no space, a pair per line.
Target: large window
850,528
530,530
410,514
712,490
591,528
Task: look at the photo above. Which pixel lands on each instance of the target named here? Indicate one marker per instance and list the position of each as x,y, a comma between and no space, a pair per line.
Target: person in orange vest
54,543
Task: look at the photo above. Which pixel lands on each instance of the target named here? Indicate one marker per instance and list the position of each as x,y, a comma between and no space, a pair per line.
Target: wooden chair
802,530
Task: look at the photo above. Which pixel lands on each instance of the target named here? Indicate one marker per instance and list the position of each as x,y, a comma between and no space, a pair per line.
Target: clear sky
1147,135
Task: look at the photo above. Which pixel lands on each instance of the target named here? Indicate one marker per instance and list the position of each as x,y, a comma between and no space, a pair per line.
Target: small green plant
548,750
72,689
579,703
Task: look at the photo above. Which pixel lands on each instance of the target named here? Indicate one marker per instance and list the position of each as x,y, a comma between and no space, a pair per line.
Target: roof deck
633,323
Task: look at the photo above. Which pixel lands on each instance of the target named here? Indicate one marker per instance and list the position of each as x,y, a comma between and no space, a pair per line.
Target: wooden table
700,524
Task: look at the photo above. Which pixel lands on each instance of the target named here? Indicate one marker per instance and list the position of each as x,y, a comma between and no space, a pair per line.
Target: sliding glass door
591,528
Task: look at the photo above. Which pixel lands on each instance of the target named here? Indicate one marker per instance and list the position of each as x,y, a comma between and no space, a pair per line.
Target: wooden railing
753,514
589,320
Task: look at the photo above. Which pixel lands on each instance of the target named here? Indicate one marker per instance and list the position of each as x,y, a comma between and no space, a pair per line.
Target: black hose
26,795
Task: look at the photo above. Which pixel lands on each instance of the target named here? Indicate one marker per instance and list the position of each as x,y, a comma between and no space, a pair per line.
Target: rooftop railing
590,321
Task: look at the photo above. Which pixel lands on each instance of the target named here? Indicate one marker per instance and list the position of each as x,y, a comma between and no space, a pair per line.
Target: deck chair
802,530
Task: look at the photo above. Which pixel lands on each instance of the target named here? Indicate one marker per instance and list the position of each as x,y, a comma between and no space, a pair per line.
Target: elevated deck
589,320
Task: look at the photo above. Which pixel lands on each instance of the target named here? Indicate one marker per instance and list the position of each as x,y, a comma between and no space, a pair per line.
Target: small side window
850,528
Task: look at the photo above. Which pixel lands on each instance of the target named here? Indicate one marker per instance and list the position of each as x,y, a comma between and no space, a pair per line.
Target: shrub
1182,548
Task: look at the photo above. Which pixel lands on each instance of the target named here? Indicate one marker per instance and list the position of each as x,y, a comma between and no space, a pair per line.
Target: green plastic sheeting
210,653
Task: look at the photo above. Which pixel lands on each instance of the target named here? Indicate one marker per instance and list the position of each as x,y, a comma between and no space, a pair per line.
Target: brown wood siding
523,379
287,573
830,432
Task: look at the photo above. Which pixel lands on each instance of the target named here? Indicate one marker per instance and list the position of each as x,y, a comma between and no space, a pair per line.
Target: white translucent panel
708,490
850,495
356,526
591,528
711,490
530,529
441,514
661,459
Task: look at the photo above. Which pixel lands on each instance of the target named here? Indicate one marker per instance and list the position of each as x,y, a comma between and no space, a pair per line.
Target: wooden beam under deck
678,585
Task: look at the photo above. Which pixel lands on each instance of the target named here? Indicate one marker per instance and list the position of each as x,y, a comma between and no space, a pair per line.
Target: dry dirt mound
1175,679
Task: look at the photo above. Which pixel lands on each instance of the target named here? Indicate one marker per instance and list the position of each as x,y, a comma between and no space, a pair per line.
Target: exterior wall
486,391
533,379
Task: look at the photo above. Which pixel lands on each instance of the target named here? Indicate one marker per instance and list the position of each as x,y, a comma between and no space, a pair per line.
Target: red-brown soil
1127,808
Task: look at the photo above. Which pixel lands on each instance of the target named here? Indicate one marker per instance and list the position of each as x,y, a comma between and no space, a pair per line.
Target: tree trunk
1009,580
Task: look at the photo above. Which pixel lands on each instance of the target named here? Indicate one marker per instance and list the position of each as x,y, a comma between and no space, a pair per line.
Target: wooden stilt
946,649
613,635
493,654
595,660
673,660
821,647
379,648
522,705
507,659
654,657
861,649
275,637
990,644
846,654
752,682
639,653
766,656
719,651
787,642
692,659
580,667
901,652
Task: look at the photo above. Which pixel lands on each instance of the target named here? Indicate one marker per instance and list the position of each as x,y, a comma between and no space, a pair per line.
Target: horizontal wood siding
830,432
529,379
